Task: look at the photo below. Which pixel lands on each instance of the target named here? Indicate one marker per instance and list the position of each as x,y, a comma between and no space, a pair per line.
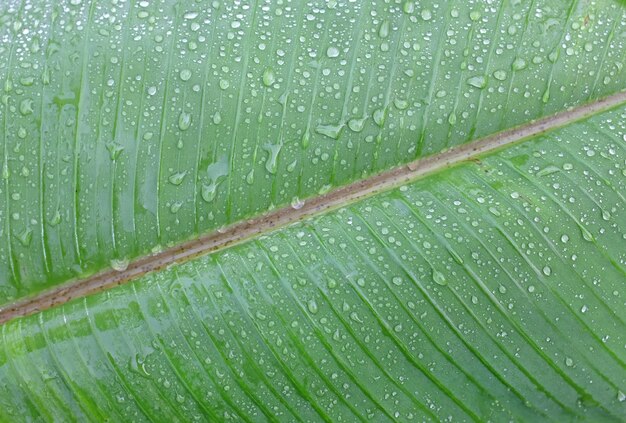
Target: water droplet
184,120
224,84
400,103
518,64
331,131
452,118
356,125
296,203
548,170
175,206
397,280
408,7
56,218
546,95
547,270
475,15
177,178
312,306
306,138
119,264
185,74
26,106
332,52
271,164
250,177
215,172
500,75
383,30
25,237
587,236
114,150
569,362
477,81
268,77
379,116
217,118
439,278
564,238
426,14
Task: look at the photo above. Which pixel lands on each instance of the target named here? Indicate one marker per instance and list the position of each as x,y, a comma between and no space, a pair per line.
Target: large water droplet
268,77
215,172
356,125
185,74
477,81
271,164
439,278
184,120
331,131
177,178
332,52
120,264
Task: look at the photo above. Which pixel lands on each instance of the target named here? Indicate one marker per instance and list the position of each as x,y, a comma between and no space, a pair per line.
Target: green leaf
482,283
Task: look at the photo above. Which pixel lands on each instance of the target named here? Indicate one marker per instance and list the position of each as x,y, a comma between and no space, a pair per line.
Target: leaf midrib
342,196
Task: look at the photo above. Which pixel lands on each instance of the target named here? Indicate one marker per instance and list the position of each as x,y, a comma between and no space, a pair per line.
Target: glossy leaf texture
491,291
127,126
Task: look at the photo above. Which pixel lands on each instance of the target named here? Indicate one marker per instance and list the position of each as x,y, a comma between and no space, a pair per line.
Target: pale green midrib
337,198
